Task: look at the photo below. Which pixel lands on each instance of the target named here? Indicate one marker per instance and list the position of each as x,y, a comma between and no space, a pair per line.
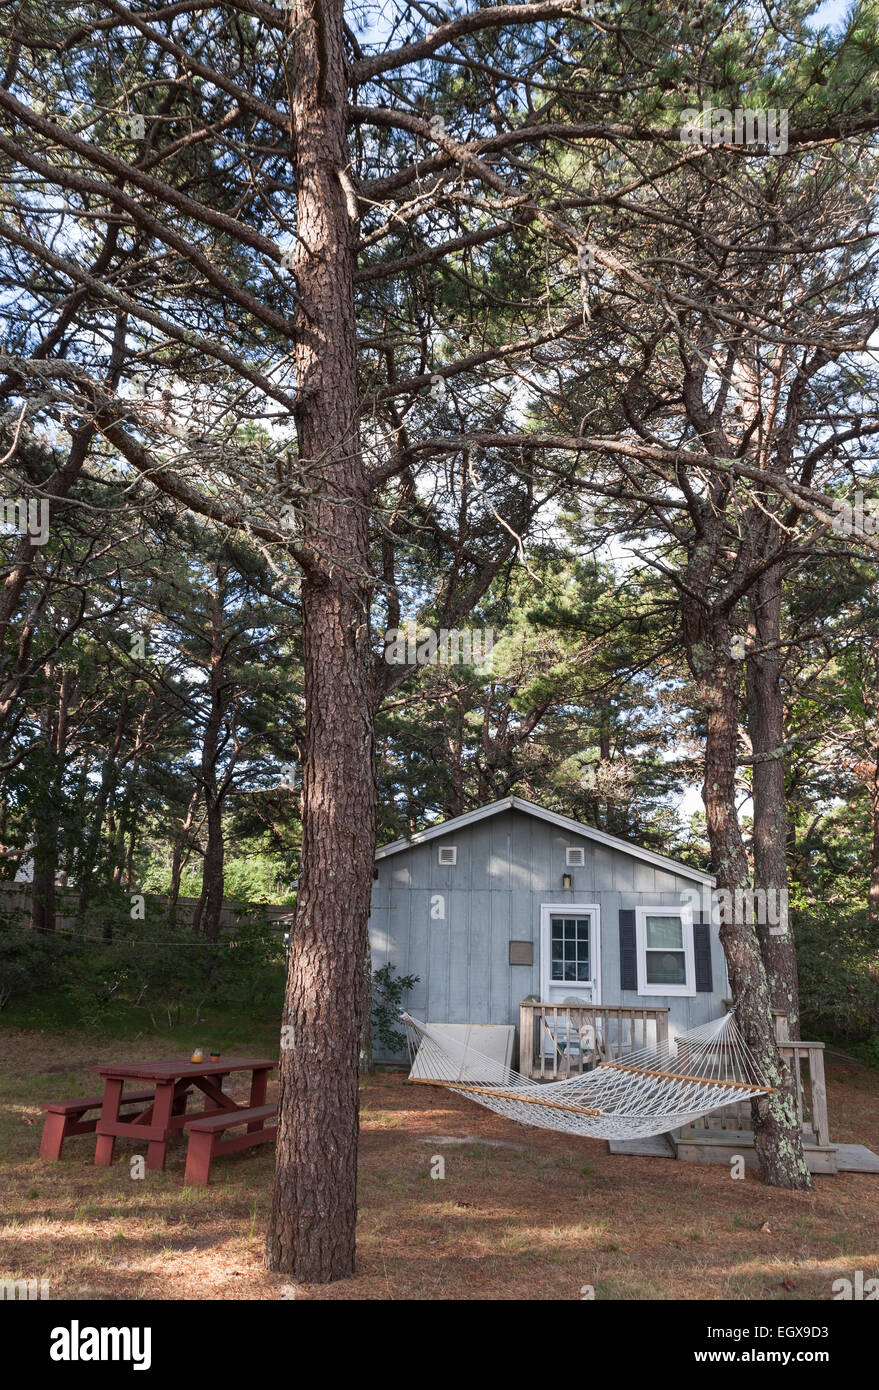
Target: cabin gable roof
530,808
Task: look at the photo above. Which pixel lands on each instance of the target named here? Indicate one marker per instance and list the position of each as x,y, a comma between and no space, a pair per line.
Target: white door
570,952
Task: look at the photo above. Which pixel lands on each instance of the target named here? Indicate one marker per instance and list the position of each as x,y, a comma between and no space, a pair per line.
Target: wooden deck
657,1146
856,1158
719,1146
722,1145
561,1040
806,1062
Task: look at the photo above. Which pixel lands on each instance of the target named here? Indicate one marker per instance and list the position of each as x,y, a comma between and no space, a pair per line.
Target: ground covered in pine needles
519,1214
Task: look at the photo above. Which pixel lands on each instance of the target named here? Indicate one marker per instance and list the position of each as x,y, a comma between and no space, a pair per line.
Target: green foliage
866,1051
565,716
837,956
157,969
251,875
388,990
255,878
27,957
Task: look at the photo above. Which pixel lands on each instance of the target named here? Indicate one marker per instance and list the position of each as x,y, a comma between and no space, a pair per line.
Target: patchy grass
520,1214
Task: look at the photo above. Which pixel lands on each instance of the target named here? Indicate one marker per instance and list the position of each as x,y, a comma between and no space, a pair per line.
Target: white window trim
686,915
444,849
575,863
570,910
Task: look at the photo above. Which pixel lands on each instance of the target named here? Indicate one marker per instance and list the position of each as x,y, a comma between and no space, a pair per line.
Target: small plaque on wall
521,953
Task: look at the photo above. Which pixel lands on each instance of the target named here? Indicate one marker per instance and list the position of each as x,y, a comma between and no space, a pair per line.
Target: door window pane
569,951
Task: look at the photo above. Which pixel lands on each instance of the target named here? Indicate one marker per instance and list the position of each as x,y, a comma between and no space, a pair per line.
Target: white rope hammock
645,1092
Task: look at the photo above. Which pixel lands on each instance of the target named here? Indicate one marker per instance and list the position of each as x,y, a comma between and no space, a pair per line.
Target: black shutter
628,952
702,956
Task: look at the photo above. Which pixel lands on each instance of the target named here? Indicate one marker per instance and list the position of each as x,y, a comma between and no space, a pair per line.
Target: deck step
721,1145
857,1158
657,1146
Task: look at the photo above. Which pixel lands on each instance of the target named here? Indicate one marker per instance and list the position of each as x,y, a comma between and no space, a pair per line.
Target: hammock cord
647,1091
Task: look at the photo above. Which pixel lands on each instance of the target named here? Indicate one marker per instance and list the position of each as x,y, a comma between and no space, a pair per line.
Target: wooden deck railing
561,1040
810,1093
811,1108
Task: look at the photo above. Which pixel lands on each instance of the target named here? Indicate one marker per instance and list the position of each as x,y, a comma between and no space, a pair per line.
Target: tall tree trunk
124,833
129,859
109,778
778,1139
209,907
873,894
206,917
604,758
766,729
117,849
47,819
314,1204
178,857
455,750
46,829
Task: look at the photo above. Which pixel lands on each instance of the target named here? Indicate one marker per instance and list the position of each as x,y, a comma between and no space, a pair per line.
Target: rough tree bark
777,1136
312,1226
766,729
873,894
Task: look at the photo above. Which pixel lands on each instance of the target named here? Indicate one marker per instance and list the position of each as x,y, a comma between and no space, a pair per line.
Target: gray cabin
510,901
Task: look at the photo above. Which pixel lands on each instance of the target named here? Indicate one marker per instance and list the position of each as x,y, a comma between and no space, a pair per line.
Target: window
569,950
448,854
665,950
575,858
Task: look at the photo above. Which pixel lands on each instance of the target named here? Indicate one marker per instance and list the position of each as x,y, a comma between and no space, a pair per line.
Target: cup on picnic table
197,1054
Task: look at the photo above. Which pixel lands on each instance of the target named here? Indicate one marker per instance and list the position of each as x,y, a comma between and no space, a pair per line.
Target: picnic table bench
161,1120
161,1110
66,1117
206,1141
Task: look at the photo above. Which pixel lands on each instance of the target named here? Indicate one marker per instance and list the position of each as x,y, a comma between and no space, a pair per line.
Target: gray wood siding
508,866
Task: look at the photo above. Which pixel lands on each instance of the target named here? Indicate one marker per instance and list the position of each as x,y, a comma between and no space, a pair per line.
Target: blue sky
831,12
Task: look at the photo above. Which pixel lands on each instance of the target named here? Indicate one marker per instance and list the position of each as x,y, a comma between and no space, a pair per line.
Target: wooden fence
15,899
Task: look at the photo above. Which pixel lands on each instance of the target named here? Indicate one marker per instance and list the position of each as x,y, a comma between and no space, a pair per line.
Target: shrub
838,962
25,957
388,989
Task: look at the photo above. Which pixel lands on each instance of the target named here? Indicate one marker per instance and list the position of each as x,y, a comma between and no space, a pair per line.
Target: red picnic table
166,1113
